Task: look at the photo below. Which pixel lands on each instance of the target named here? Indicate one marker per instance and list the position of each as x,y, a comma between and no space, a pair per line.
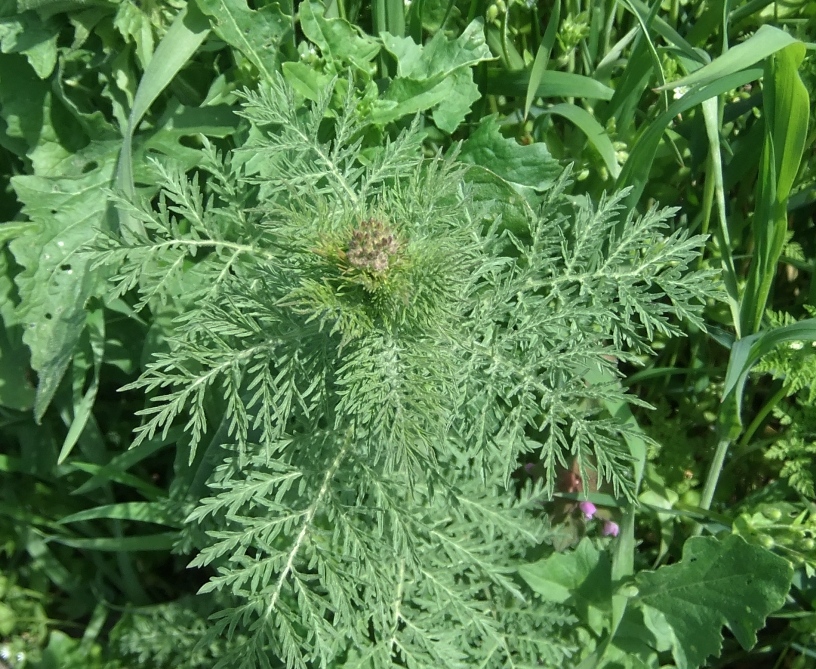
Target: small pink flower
610,529
588,509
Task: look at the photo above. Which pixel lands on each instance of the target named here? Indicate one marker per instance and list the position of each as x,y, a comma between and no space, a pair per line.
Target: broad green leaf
135,26
257,34
581,578
765,42
25,116
339,41
716,583
450,99
461,93
16,386
435,76
439,57
494,197
530,166
594,131
179,122
55,283
305,79
35,38
16,389
554,84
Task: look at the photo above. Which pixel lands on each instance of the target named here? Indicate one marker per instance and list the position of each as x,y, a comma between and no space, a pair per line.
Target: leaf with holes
717,583
257,34
55,283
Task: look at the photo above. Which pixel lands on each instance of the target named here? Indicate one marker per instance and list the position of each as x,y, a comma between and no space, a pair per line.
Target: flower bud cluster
371,246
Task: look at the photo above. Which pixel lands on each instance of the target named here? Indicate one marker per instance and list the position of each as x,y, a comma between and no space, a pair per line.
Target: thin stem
762,414
714,470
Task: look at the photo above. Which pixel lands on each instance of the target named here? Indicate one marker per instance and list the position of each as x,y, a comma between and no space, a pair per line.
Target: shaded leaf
55,282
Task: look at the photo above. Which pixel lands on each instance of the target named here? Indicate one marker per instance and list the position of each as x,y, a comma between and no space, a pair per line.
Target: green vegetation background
703,106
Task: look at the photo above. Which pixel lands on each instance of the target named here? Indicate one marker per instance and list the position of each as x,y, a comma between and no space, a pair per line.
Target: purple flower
610,529
529,468
588,509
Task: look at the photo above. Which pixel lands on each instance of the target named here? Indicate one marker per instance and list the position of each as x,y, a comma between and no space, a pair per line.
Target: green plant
675,100
365,352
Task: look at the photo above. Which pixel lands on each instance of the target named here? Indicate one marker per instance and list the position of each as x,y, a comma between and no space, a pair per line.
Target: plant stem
713,475
762,414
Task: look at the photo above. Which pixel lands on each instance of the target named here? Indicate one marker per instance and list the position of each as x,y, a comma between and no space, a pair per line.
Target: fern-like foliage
795,366
368,357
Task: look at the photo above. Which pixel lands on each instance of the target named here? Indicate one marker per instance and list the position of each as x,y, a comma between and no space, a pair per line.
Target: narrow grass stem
762,415
714,470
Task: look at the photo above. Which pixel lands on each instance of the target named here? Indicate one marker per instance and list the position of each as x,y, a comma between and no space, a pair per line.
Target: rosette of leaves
365,354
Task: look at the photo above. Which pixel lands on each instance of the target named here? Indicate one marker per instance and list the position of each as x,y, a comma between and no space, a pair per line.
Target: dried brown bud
371,246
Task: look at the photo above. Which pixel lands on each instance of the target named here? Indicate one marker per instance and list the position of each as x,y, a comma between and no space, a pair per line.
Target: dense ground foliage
427,334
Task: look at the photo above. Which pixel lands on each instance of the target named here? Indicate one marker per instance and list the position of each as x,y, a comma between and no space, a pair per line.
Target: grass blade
765,42
162,541
787,112
715,172
144,512
554,84
595,132
180,42
746,352
635,171
542,57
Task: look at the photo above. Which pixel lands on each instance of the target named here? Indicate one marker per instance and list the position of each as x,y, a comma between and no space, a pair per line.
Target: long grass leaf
554,84
145,512
765,42
594,131
787,113
636,170
542,57
711,117
746,352
162,541
180,42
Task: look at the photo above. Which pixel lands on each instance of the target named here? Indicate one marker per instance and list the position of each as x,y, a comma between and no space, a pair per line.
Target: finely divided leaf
716,583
